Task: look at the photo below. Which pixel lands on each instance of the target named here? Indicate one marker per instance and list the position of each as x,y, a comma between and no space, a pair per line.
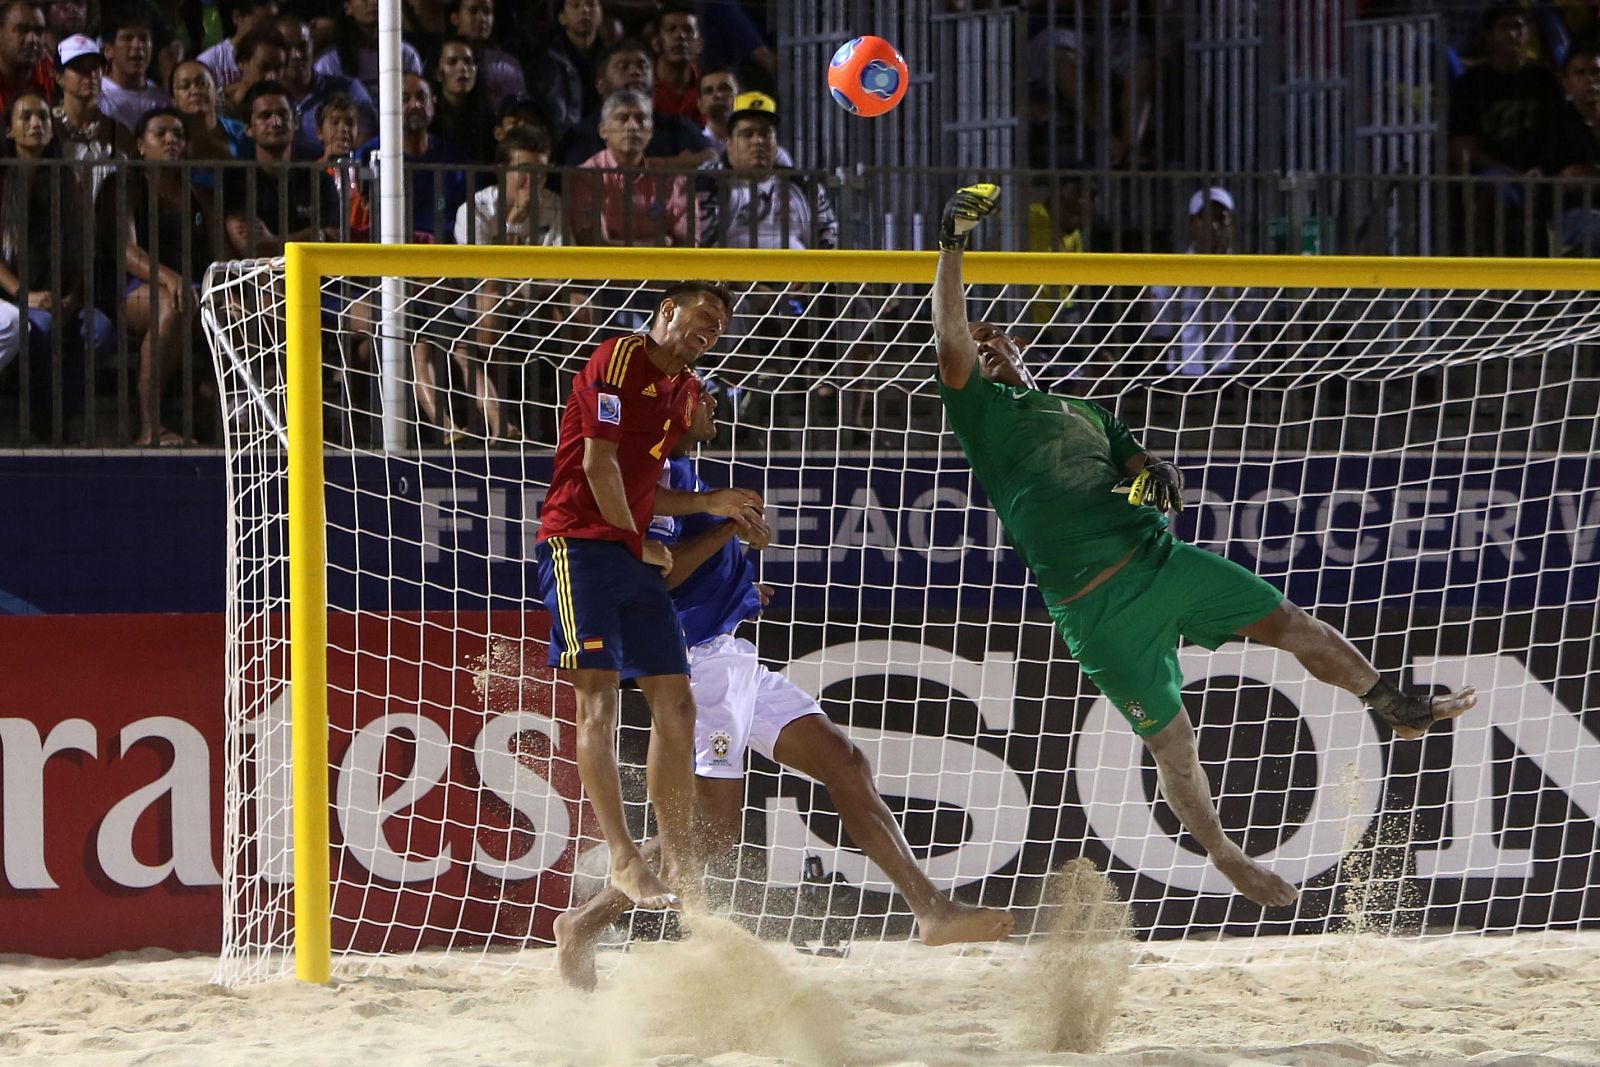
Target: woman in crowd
463,117
42,252
159,302
473,21
210,134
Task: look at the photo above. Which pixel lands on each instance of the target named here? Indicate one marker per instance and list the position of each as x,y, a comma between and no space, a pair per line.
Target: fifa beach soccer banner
899,607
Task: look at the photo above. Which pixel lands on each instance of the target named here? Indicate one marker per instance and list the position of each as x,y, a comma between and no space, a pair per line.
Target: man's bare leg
597,768
719,806
1184,784
1329,657
669,777
815,747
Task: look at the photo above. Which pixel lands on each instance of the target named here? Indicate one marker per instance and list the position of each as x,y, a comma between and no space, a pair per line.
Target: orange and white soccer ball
867,77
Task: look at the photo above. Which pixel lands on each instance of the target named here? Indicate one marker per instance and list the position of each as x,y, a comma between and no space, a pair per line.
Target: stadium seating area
148,139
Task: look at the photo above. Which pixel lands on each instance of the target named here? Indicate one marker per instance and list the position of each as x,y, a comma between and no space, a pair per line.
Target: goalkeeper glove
1159,485
963,212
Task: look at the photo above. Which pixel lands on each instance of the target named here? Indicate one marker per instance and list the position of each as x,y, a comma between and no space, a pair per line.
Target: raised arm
958,353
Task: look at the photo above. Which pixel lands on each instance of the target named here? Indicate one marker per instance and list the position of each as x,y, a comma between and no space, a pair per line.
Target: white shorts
738,704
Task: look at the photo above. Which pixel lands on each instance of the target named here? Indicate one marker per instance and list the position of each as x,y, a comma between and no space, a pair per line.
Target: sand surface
724,999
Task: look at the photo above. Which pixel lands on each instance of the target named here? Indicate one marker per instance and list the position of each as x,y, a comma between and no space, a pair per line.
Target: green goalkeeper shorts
1124,634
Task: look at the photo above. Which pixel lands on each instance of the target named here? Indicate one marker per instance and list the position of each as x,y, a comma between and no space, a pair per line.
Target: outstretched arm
958,353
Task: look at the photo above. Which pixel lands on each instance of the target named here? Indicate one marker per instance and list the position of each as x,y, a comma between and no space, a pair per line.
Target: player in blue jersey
741,704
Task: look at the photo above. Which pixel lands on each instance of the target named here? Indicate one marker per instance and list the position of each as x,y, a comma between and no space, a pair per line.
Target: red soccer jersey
621,396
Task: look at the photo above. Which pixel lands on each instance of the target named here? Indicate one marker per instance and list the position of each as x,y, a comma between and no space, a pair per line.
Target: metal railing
80,384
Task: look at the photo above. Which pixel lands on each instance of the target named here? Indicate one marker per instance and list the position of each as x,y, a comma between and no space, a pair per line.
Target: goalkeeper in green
1085,507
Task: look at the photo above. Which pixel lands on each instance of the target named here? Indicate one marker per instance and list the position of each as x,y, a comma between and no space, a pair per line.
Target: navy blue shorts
608,609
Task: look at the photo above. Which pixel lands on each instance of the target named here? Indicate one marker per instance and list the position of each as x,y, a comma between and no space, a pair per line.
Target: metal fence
99,357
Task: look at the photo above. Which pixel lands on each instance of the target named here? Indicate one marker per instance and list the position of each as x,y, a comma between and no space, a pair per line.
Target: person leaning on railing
42,250
266,207
749,198
610,202
155,288
338,120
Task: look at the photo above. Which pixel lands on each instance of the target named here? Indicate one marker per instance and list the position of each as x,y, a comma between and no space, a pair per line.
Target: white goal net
1415,467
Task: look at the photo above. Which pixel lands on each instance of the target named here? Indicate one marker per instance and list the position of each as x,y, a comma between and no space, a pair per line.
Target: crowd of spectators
543,122
601,122
1529,107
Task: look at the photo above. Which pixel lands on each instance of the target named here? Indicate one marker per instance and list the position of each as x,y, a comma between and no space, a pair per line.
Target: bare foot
690,890
635,880
1450,706
954,923
575,951
1255,881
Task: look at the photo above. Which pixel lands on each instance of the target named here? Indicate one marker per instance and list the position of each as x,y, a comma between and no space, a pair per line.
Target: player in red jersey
611,617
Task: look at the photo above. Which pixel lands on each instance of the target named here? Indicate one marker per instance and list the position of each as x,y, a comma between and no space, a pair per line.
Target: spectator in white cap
1211,221
1200,327
84,130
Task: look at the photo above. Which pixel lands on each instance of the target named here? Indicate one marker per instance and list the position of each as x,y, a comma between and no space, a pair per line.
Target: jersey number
655,449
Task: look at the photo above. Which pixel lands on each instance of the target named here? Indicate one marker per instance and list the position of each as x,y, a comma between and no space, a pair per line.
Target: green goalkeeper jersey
1049,464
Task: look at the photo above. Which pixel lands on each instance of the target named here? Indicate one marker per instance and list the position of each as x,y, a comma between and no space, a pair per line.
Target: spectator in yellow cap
746,198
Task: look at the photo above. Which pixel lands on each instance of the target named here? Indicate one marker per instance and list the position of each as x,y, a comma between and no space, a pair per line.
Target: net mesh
1413,467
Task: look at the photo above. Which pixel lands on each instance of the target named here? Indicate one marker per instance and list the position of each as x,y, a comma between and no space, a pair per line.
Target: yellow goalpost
1018,278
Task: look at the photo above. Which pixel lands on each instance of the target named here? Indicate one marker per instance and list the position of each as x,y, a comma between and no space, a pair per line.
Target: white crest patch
609,407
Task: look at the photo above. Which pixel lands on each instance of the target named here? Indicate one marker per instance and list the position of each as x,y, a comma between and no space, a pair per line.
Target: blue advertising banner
855,534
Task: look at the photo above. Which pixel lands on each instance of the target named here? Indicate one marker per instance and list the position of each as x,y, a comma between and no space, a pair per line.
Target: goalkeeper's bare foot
954,923
1451,706
1254,881
575,943
634,879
